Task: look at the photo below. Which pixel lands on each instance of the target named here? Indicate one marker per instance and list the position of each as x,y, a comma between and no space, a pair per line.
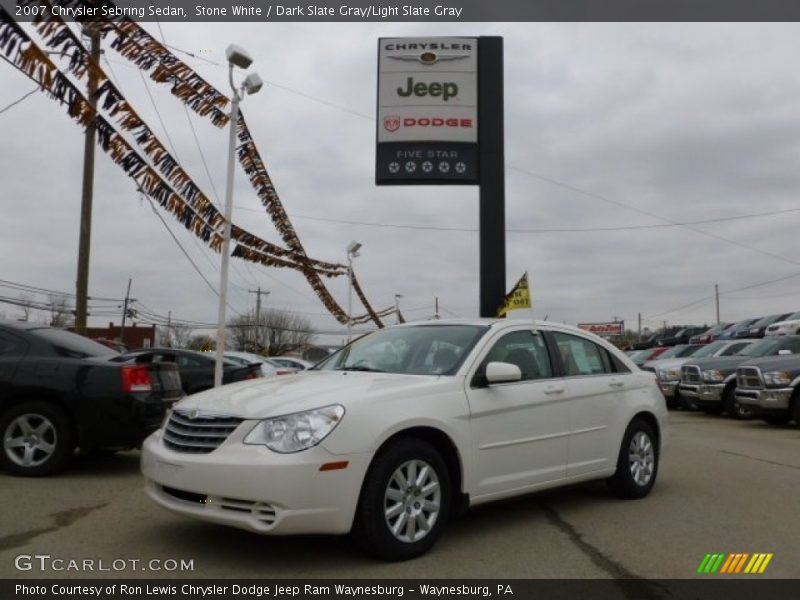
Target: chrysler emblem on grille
193,414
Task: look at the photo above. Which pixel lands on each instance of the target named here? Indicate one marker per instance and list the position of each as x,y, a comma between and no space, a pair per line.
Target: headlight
777,378
713,375
669,375
298,431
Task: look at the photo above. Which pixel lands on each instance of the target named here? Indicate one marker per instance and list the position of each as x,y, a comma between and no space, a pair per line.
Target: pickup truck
771,388
60,391
710,383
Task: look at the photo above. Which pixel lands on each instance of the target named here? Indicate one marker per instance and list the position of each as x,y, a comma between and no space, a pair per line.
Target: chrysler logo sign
427,58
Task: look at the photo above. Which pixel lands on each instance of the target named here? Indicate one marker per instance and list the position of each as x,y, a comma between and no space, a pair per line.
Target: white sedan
405,426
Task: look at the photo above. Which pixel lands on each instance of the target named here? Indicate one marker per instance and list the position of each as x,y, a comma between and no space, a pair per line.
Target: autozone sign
617,328
427,89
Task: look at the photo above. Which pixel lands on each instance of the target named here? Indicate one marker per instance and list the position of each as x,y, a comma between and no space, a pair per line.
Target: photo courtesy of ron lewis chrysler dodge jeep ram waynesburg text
407,425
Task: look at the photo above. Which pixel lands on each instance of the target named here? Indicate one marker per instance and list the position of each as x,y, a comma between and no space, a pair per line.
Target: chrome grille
197,435
691,374
749,377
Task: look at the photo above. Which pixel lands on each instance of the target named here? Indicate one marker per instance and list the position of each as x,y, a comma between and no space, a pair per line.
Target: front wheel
405,501
37,439
733,407
637,464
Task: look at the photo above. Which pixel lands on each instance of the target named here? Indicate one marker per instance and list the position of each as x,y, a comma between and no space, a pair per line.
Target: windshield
415,350
672,352
709,349
73,345
762,348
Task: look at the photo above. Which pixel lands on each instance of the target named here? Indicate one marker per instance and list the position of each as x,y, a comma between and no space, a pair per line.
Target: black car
682,336
196,368
60,390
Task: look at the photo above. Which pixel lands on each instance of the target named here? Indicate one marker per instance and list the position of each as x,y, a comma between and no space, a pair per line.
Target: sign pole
491,170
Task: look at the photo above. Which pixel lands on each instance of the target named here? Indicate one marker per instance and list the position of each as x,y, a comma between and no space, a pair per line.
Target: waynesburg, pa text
256,590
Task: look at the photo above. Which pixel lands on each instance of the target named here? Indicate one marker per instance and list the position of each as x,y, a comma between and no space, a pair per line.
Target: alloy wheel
412,500
30,440
641,458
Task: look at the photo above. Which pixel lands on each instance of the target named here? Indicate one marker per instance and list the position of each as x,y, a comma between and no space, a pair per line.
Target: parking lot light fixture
237,57
352,252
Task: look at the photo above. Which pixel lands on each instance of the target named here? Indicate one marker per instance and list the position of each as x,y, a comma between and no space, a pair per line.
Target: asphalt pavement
724,486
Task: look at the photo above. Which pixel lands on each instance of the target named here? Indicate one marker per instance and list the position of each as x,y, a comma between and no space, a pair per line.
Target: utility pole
169,325
125,312
640,327
397,305
716,296
259,332
665,328
85,239
436,307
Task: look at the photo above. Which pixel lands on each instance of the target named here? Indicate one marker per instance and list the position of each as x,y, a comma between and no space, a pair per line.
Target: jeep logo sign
427,109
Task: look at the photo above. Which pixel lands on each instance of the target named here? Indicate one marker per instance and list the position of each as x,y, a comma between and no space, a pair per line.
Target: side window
733,349
794,345
185,362
581,356
524,349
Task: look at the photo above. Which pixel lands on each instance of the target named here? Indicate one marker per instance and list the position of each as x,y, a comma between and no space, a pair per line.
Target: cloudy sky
607,126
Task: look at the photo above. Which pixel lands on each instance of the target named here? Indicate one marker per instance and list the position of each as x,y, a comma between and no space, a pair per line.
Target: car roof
498,324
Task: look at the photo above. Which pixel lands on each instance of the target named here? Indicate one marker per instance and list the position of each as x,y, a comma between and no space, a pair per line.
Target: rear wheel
37,439
637,464
405,501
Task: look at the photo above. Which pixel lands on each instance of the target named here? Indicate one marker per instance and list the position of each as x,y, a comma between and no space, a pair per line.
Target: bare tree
61,312
273,332
25,303
177,336
200,342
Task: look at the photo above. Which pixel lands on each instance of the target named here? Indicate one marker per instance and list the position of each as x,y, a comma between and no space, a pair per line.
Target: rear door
12,350
596,390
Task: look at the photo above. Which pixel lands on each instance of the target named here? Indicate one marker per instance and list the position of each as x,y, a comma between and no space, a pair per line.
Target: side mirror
502,372
784,352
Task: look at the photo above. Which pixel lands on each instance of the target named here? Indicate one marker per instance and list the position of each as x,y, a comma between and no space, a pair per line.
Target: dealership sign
427,110
616,328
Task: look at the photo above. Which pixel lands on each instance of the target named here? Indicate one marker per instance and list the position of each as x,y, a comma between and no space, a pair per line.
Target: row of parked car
59,391
753,327
745,370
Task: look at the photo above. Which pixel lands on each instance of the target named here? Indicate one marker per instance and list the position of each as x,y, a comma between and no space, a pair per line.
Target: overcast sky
607,125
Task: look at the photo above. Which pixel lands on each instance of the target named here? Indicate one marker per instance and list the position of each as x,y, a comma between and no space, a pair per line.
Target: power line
536,230
13,104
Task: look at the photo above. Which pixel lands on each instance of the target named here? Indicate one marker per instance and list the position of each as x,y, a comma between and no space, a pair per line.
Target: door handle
615,383
554,389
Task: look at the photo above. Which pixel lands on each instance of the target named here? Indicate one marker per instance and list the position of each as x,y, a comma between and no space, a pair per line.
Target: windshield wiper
359,368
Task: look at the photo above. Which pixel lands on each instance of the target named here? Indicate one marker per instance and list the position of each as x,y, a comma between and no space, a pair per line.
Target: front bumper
254,488
766,399
707,392
669,388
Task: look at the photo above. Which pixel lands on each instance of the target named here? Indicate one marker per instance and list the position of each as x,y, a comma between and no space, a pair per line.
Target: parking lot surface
724,486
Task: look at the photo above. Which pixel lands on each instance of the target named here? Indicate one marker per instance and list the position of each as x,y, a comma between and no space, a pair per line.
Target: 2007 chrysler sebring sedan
407,425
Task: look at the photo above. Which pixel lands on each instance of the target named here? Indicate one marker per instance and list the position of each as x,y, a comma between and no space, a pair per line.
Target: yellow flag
518,297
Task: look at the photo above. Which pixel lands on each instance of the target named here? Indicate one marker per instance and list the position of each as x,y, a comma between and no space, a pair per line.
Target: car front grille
691,374
749,377
197,434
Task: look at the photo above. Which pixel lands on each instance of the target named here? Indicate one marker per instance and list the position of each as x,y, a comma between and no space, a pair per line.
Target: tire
776,419
38,439
637,464
732,406
384,496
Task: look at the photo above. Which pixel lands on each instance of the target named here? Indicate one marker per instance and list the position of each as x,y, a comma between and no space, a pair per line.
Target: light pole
397,305
352,252
237,57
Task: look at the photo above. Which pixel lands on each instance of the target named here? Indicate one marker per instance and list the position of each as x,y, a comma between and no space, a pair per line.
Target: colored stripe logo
735,563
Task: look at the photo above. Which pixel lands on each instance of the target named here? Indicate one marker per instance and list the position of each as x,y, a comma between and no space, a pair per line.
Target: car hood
260,398
720,363
667,363
775,363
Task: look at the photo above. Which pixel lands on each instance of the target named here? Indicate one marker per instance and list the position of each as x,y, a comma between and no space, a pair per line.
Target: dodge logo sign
391,122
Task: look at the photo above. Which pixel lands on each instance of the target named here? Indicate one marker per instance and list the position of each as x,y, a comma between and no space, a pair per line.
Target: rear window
73,345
